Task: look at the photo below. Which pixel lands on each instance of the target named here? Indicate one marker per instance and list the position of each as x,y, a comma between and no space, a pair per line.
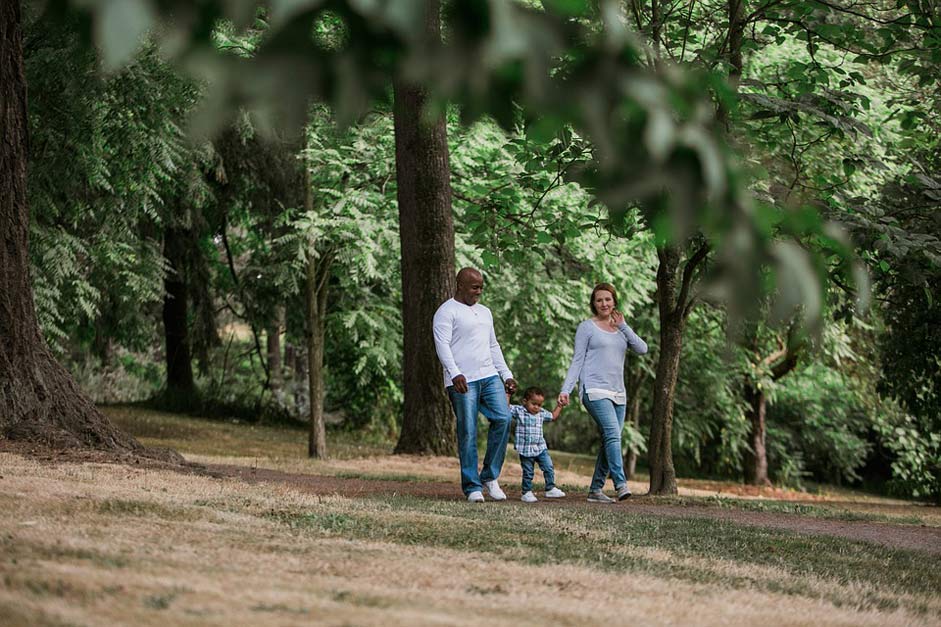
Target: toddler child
530,443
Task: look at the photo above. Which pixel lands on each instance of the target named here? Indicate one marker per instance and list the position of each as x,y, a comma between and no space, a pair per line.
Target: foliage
103,151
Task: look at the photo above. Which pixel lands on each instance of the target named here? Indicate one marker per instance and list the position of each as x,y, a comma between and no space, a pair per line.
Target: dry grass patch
108,544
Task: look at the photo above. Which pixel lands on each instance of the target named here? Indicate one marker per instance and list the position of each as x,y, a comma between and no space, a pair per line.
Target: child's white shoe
554,493
528,497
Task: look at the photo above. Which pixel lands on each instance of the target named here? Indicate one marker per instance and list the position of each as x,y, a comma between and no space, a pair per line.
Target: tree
39,400
426,233
495,60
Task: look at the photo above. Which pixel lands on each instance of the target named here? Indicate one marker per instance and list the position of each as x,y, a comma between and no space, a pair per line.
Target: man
473,368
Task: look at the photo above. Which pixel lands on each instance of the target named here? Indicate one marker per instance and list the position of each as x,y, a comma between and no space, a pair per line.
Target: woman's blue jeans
489,398
610,420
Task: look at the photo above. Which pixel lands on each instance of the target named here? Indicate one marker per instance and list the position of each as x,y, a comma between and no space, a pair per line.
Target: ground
256,533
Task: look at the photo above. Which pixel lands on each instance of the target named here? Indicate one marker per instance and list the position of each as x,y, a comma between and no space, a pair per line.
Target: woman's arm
578,358
633,340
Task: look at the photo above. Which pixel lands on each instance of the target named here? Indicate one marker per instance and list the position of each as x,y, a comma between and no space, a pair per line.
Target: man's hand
563,400
460,384
510,386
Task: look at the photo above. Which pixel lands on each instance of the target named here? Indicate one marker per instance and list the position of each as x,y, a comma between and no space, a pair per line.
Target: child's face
533,404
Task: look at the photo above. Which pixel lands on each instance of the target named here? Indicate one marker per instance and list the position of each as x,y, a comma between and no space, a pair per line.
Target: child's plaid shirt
529,440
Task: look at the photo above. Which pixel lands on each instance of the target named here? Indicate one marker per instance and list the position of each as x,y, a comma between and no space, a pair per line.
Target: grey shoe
597,496
624,492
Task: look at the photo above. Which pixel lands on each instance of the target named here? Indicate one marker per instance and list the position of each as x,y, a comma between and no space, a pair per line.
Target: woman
598,364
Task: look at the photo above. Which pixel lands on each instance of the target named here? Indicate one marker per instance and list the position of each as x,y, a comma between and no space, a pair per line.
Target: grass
101,543
617,541
822,510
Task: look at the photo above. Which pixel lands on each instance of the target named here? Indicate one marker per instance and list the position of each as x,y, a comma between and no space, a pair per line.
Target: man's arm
499,362
443,328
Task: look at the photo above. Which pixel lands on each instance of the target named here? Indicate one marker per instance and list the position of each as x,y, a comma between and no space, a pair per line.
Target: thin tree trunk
318,271
736,36
39,400
178,357
427,239
756,456
630,459
273,344
672,323
302,381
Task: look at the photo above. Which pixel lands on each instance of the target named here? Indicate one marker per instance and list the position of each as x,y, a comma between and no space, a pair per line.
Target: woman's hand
563,400
617,318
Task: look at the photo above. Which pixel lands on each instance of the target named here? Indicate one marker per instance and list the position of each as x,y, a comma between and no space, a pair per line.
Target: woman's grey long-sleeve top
598,362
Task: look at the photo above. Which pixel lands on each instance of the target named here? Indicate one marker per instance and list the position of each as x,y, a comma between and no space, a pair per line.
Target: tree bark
780,363
39,400
674,301
180,386
318,273
660,447
427,241
756,456
273,344
630,458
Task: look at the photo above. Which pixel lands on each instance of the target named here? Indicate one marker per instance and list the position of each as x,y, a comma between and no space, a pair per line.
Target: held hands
460,384
510,386
563,400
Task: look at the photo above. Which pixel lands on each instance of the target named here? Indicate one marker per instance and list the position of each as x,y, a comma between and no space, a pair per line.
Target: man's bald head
470,284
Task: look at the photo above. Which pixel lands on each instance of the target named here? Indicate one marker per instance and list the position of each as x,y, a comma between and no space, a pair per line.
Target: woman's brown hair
607,287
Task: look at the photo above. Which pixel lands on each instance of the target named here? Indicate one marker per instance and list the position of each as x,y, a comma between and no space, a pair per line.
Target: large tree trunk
39,400
756,456
427,238
175,324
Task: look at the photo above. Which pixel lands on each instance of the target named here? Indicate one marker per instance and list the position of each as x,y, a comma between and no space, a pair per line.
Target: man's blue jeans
610,420
489,398
545,463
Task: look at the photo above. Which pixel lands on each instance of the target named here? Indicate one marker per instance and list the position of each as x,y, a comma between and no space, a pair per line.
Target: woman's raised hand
617,318
563,399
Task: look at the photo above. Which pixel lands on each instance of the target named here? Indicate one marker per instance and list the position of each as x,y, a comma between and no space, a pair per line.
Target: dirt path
911,537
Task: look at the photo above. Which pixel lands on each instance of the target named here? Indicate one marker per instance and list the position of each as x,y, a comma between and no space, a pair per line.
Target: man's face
533,404
469,288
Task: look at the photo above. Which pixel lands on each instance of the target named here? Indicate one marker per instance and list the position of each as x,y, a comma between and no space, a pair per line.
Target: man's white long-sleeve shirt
467,344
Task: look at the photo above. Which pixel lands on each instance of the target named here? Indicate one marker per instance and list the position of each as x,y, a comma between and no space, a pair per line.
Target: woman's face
604,302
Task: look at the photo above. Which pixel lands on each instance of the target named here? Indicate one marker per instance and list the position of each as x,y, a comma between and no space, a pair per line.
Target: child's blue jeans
545,463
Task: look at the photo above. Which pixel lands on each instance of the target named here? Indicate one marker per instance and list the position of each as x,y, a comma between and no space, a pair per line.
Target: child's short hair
530,392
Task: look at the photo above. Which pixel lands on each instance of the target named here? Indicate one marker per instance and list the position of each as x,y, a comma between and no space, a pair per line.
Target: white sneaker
624,492
493,489
529,497
475,497
554,493
599,497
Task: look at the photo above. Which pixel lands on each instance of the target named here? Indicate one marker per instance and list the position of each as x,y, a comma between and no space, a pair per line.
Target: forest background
232,269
